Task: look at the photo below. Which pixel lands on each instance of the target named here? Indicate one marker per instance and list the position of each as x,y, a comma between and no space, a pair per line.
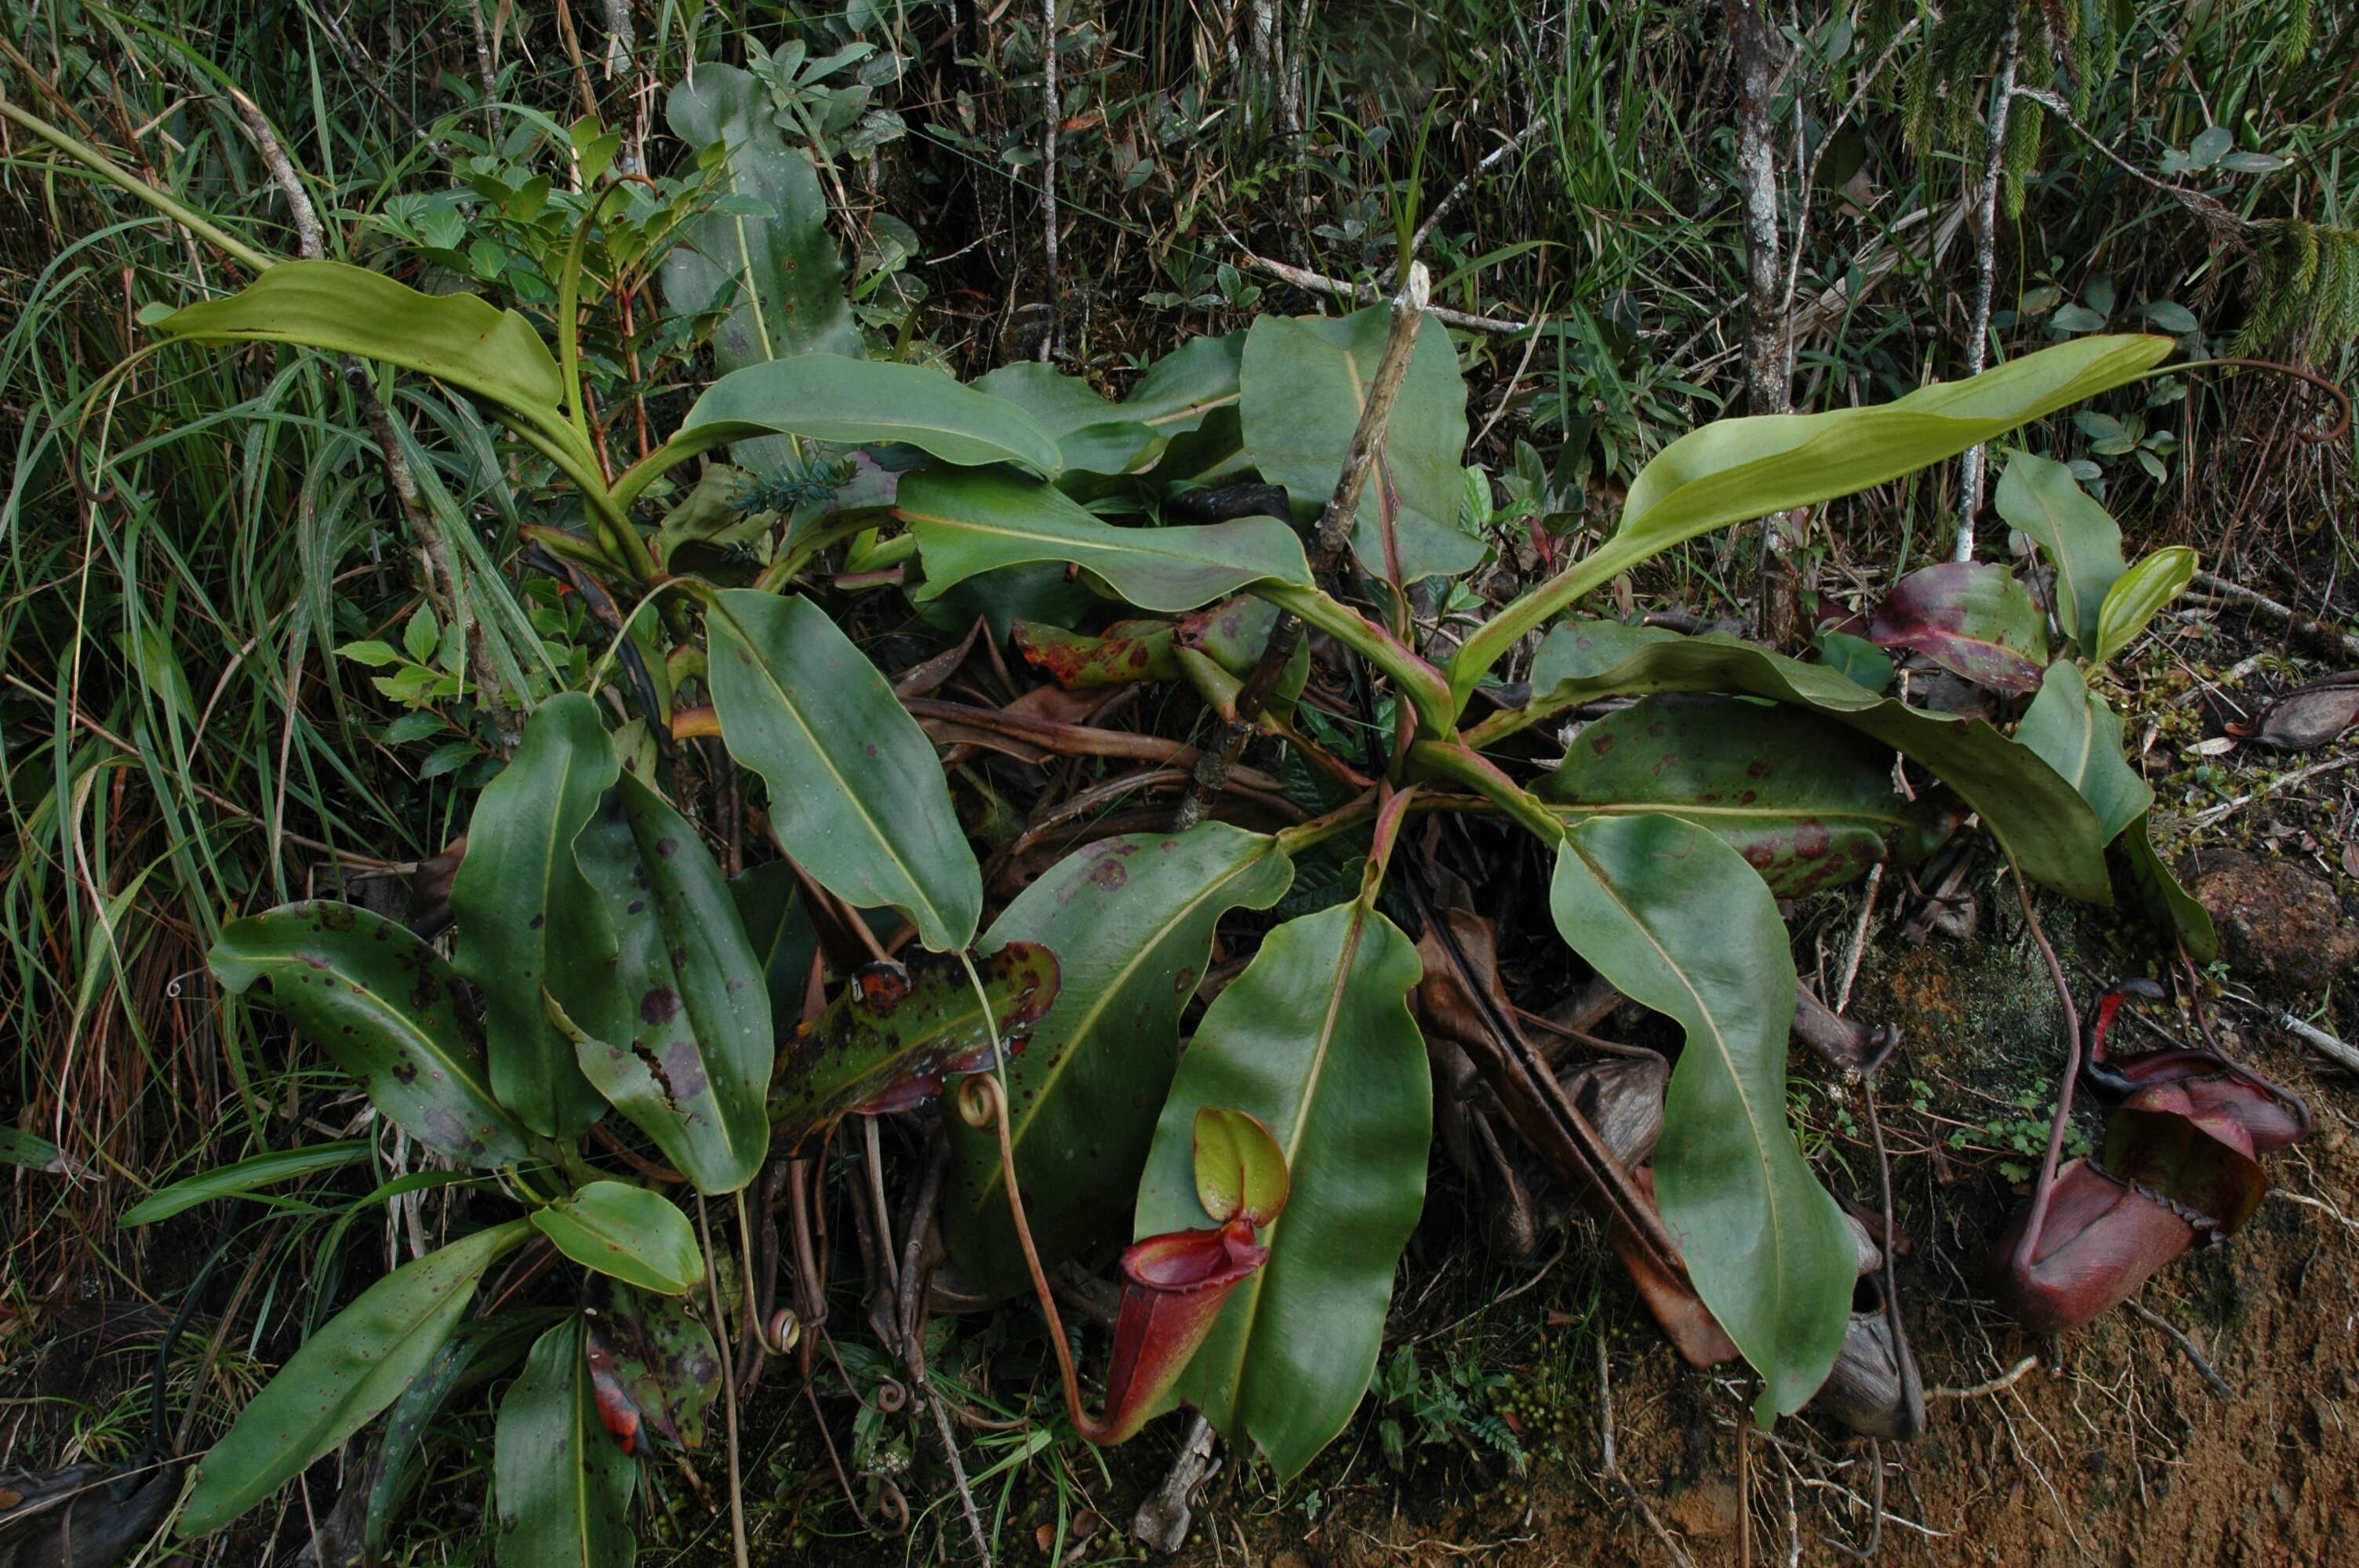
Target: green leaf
1316,1040
387,1009
973,523
891,1047
2147,884
1679,923
562,1487
1305,382
1091,433
1736,470
2039,817
421,635
1856,659
826,397
2138,597
2079,537
1131,922
1810,804
628,1233
344,1374
777,272
371,653
1240,1170
241,1177
27,1153
677,1025
2075,733
454,338
527,920
1184,388
856,794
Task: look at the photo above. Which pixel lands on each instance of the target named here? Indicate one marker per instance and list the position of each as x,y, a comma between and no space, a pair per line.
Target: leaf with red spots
657,1363
1808,803
1969,617
387,1009
879,1051
675,1030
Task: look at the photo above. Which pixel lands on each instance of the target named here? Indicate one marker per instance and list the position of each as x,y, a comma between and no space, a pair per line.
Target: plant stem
1419,684
1455,759
1971,466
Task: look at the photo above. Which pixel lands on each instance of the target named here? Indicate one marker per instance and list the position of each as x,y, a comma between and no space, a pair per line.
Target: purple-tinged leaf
1969,617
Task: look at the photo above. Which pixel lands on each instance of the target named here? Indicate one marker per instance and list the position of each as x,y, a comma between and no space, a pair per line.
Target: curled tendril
2335,432
781,1334
891,1396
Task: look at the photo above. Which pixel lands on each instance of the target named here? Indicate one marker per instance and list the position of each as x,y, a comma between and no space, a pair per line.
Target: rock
2277,921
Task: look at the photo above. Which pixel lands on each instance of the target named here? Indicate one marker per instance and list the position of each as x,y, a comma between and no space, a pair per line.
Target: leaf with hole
387,1009
856,796
1131,921
896,1035
1679,923
344,1373
675,1030
1316,1040
627,1233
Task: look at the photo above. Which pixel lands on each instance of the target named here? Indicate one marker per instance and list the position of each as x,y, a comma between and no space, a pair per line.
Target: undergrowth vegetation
713,714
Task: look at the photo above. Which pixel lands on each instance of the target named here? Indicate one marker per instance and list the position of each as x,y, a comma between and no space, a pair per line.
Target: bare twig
1331,547
1369,293
2004,1380
2317,630
1049,347
1621,1483
2152,1319
1161,1522
1969,470
2045,1192
2341,1053
2210,815
723,1341
1491,160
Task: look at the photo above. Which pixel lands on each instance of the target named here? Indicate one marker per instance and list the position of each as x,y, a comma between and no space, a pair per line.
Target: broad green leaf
2140,595
1736,470
454,338
1240,1170
826,397
1679,923
1187,386
1316,1040
776,272
385,1009
1304,383
2147,884
413,1427
1091,434
527,919
2079,537
2039,817
27,1153
677,1024
242,1177
1970,617
891,1045
973,523
628,1233
1810,804
1131,922
856,794
562,1488
345,1373
1856,659
2081,738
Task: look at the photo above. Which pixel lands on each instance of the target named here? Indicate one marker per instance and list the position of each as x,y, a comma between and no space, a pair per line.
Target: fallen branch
2218,1384
2341,1054
1369,294
2204,819
2317,630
